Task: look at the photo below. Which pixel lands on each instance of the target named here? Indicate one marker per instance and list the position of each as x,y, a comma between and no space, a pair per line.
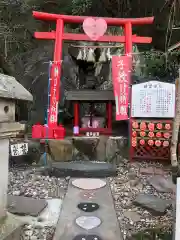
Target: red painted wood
76,114
55,81
45,35
129,38
99,130
105,38
80,19
129,50
83,37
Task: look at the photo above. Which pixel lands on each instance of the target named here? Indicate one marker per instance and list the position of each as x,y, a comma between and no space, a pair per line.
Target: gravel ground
131,181
25,182
127,185
28,184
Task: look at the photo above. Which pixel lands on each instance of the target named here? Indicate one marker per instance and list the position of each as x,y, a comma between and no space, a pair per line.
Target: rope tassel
91,56
84,54
80,56
103,56
108,54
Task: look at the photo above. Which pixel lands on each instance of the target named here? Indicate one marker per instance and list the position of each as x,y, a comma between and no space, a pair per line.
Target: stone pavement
75,223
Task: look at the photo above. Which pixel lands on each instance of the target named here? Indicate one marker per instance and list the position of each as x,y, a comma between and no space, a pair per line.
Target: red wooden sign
121,79
54,94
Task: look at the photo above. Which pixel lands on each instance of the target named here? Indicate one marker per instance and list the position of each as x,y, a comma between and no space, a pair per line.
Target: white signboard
153,99
92,134
19,149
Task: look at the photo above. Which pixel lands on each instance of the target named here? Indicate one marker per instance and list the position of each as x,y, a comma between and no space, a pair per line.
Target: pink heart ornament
94,28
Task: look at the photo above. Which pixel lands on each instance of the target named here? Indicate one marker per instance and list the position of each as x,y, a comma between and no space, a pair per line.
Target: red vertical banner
121,68
54,95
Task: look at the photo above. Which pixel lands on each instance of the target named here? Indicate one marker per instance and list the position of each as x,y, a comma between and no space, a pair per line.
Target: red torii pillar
55,131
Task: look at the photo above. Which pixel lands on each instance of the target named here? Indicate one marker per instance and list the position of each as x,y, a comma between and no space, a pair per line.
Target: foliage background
27,59
17,24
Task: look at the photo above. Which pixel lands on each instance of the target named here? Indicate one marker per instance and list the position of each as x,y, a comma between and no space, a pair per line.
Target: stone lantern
10,92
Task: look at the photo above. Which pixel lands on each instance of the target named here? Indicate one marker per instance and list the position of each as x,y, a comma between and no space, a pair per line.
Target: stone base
10,228
101,148
61,150
81,169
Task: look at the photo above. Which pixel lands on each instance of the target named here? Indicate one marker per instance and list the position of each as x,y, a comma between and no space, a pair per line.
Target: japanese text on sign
153,99
120,75
54,93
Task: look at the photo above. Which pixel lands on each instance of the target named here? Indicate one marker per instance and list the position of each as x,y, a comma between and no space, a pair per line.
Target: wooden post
176,230
176,122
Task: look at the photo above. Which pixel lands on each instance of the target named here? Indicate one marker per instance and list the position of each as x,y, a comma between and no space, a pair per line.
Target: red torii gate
55,131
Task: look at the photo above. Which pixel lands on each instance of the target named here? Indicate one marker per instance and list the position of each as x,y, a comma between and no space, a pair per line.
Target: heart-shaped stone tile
87,195
94,28
89,183
87,237
88,207
88,222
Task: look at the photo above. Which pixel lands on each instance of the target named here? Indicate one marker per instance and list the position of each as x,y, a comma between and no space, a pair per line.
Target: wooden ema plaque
151,139
153,99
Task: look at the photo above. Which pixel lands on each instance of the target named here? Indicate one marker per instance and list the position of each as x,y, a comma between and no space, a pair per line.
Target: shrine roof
12,89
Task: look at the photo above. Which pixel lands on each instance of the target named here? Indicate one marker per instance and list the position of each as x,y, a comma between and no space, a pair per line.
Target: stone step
10,228
81,169
107,226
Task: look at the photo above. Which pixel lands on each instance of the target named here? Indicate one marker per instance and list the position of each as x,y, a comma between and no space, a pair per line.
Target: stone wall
109,149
